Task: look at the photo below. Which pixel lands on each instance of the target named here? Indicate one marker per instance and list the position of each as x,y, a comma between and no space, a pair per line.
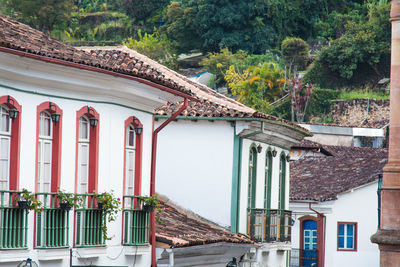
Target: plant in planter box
110,205
68,200
27,200
151,203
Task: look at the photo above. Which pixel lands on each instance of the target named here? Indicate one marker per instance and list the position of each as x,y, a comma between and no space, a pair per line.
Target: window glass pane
341,242
307,240
341,229
130,136
350,229
314,233
306,246
83,128
5,120
45,124
350,242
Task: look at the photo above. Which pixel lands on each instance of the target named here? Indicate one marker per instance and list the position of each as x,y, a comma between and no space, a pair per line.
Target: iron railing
136,222
303,258
52,223
13,222
89,222
269,225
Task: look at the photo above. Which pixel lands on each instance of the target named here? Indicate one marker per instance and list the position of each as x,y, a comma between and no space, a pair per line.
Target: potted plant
68,200
149,203
109,205
26,200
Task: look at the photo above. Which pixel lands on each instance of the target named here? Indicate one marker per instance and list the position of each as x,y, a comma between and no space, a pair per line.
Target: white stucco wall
194,166
359,205
111,155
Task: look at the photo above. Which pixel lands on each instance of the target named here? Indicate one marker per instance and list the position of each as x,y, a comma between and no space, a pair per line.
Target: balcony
52,223
13,222
303,258
269,225
89,222
136,222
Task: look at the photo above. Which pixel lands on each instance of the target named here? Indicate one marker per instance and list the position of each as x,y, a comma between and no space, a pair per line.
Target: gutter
321,236
96,69
153,178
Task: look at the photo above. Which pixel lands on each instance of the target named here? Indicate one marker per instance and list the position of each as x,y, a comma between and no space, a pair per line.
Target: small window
347,236
83,128
45,124
5,120
130,136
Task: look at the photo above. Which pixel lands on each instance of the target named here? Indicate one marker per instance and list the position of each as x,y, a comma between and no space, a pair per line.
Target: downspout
240,169
153,179
321,218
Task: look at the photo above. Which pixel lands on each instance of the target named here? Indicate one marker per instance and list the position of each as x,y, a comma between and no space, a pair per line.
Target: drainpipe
240,169
153,179
321,218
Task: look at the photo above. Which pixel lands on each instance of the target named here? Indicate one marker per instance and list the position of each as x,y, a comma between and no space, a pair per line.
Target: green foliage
141,10
31,202
111,206
356,94
154,203
70,199
156,46
295,52
360,55
257,86
40,14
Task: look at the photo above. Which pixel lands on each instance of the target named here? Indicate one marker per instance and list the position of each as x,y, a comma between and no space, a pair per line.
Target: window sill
136,250
278,246
15,255
50,254
90,252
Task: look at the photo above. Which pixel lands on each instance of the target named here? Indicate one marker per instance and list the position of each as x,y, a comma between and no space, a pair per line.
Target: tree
295,52
156,46
257,86
360,55
40,14
141,10
300,95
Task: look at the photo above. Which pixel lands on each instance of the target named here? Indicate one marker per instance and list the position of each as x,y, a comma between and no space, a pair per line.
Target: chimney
388,236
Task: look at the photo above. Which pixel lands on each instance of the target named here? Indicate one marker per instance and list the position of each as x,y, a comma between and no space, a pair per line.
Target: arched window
251,193
5,141
44,152
87,147
133,156
282,181
48,147
10,133
130,160
268,180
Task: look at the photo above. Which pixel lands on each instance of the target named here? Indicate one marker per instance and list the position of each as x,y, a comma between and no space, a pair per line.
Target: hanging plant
109,205
151,203
27,200
68,201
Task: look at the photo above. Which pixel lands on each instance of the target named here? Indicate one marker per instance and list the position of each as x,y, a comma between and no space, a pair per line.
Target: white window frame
83,142
44,140
130,149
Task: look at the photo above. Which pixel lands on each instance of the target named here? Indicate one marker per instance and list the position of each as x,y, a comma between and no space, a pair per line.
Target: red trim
56,145
10,102
355,237
90,68
90,112
153,178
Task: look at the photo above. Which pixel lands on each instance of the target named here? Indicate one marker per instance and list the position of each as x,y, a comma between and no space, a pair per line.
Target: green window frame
282,182
268,180
251,193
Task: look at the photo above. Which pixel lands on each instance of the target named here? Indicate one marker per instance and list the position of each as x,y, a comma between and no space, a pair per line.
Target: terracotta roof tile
21,37
181,228
323,178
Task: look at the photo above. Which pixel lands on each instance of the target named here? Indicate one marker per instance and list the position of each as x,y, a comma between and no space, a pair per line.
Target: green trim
295,128
282,181
239,181
268,179
73,98
235,182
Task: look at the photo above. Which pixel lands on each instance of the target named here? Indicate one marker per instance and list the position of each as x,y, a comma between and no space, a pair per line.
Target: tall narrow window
282,182
130,160
251,194
83,155
268,180
5,140
45,152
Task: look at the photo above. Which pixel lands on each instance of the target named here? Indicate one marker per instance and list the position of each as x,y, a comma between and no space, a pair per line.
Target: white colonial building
81,123
334,198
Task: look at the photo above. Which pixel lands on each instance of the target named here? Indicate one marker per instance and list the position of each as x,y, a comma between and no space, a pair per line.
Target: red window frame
138,155
355,237
89,112
56,145
15,143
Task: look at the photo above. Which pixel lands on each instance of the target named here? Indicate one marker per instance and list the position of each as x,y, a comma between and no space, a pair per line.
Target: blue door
309,254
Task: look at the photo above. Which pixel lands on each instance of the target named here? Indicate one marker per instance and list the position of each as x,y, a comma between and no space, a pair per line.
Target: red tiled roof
180,228
323,178
18,36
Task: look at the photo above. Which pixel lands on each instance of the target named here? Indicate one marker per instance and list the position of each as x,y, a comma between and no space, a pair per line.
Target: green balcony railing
136,222
269,225
89,221
52,223
13,222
